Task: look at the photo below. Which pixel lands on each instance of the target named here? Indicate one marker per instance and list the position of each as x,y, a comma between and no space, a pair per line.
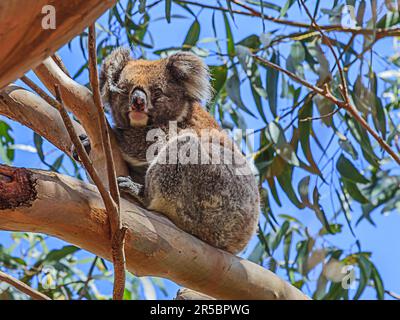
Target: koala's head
141,92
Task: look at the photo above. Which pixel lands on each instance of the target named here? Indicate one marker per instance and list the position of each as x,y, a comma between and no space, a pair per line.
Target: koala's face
142,92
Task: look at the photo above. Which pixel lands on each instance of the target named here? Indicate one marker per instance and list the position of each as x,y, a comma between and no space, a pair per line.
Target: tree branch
57,59
25,107
344,89
41,93
378,33
103,125
29,35
117,231
72,210
77,98
23,287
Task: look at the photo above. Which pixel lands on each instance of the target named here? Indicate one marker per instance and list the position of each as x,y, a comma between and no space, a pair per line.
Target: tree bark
69,209
24,41
33,112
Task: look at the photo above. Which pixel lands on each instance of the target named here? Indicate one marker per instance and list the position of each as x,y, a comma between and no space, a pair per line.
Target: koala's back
217,201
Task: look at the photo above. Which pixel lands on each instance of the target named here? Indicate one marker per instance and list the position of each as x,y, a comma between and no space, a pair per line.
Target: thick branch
25,107
28,34
76,97
71,210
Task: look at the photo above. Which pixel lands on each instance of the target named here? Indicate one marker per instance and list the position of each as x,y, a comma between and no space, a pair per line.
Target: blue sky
381,240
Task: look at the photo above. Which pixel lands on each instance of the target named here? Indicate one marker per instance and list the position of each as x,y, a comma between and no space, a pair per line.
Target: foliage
310,157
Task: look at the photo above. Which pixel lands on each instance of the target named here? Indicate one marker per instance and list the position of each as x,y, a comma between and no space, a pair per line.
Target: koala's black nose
139,100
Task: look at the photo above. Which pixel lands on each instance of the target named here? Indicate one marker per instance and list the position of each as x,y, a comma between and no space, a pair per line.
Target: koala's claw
128,186
86,144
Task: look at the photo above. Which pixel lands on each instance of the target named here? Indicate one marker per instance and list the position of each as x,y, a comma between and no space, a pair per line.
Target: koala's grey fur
211,201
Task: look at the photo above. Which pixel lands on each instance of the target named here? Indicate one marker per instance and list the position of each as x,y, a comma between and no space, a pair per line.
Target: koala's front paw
128,186
86,144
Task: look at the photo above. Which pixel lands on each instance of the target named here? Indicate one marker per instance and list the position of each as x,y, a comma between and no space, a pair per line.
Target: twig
88,278
341,104
346,104
111,207
344,89
105,136
50,100
118,233
294,77
392,294
57,59
327,115
380,33
23,287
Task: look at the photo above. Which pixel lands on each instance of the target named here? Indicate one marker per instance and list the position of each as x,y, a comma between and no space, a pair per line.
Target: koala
216,201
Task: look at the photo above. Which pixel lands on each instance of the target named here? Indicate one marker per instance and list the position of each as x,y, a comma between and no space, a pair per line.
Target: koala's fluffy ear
189,69
111,70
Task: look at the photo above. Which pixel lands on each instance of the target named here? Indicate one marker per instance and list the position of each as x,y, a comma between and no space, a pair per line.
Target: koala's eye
123,89
157,92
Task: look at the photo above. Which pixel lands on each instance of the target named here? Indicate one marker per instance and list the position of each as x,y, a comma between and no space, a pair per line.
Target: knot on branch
17,187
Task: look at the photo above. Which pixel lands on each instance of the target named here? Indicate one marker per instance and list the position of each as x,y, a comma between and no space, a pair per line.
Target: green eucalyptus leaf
233,91
229,36
168,4
303,190
365,273
218,77
283,148
279,236
348,171
58,254
378,283
192,36
354,191
272,84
